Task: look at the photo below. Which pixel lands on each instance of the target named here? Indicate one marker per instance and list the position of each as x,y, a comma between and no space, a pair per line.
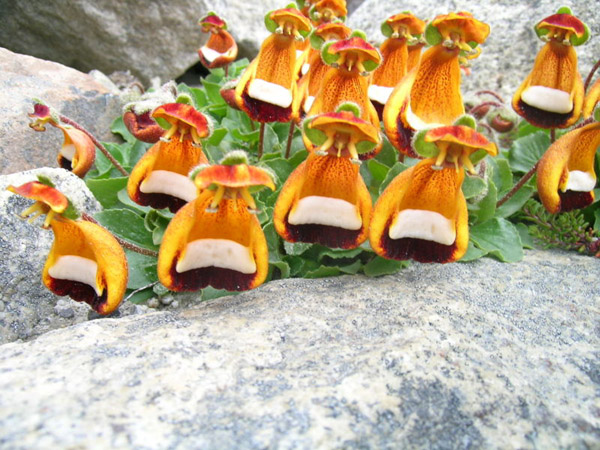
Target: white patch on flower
299,53
268,92
416,123
209,54
75,268
222,253
319,210
170,183
548,99
421,224
380,94
580,181
68,151
305,68
308,103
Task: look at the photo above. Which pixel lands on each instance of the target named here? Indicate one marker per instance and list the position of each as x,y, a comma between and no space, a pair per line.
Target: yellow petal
220,50
431,207
327,200
552,94
591,99
92,246
78,151
193,227
573,152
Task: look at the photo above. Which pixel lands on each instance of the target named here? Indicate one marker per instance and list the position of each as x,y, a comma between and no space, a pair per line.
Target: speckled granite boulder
508,54
151,38
27,308
72,93
476,355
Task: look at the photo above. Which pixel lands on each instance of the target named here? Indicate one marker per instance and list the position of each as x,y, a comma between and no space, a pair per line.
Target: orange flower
159,179
591,99
565,174
325,199
216,239
221,49
85,262
315,68
268,85
325,11
78,151
429,95
402,31
552,95
422,214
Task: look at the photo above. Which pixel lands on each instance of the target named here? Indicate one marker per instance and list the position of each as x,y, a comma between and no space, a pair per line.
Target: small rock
166,300
63,309
153,303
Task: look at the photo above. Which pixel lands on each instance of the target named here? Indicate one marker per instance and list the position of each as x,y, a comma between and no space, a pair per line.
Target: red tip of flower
212,20
143,127
175,112
35,190
564,21
332,28
357,44
239,175
40,111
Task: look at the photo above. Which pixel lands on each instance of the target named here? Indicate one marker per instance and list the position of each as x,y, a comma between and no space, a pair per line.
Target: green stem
97,143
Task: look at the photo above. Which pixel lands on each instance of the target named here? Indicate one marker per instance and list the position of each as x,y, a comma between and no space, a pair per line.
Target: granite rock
473,355
508,54
72,93
152,39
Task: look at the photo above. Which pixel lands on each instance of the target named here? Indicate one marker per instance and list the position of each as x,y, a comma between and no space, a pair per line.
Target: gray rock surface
29,308
472,355
508,54
72,93
152,38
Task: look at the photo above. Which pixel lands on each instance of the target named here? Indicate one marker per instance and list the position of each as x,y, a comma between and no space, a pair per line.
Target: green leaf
213,93
432,35
106,190
337,253
118,127
473,253
322,272
210,293
388,154
486,208
282,266
501,174
142,270
526,151
423,148
473,186
102,163
466,120
352,268
597,220
516,202
140,297
296,248
377,169
380,266
125,200
499,238
133,153
526,238
127,225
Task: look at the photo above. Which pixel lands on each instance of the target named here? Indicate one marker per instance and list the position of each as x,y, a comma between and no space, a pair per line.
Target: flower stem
97,143
492,93
588,80
261,138
517,186
125,244
288,148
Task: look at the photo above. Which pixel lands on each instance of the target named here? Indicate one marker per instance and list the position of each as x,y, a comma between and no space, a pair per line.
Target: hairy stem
288,147
124,244
517,186
492,93
97,143
588,80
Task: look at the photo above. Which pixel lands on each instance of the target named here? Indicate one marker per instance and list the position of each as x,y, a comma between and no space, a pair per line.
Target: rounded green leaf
467,120
317,137
425,149
329,58
386,30
432,35
363,147
270,23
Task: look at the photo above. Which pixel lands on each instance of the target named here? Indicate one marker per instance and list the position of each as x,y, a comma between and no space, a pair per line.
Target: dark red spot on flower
571,200
265,112
79,292
159,201
218,278
326,235
541,118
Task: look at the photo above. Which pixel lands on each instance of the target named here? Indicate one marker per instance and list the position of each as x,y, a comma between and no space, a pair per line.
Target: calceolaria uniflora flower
565,175
422,214
216,240
430,95
85,262
267,87
552,94
159,179
220,49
